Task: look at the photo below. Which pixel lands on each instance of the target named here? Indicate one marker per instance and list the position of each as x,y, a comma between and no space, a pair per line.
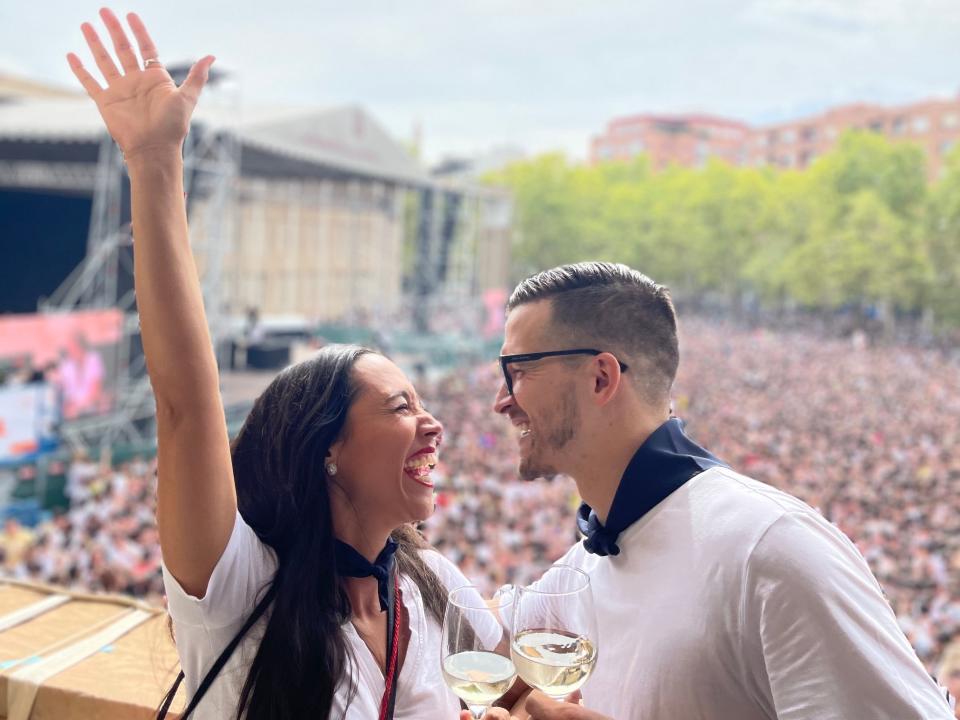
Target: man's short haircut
612,308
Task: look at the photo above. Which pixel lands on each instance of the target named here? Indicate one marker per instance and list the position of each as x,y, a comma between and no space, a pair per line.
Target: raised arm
149,116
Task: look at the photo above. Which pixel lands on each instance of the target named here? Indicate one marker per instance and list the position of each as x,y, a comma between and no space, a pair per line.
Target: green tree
942,244
860,227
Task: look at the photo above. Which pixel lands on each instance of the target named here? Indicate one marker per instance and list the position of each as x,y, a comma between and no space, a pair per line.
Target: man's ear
606,378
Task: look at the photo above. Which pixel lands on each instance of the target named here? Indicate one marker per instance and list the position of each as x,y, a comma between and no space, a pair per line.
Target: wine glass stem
477,711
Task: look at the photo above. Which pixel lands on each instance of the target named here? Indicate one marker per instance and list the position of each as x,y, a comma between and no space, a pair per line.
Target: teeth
524,430
422,461
419,472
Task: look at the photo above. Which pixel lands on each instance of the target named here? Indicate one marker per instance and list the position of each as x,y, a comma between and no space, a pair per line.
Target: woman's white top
204,627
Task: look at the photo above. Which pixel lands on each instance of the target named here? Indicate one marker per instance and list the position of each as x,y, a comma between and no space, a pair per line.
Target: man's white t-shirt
203,628
731,600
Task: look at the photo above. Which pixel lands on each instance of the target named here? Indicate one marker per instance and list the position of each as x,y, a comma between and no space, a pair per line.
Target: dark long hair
278,465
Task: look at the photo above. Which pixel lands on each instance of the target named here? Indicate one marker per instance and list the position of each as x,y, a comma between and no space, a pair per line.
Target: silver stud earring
331,469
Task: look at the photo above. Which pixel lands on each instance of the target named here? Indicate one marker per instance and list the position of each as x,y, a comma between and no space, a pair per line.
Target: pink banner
43,337
73,352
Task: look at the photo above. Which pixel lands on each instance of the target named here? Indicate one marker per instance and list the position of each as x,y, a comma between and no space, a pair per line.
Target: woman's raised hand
142,108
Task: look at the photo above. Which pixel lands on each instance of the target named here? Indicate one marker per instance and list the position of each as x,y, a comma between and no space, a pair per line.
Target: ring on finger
151,62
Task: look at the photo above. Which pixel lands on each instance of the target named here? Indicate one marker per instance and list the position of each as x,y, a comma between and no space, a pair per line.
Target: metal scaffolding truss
104,279
453,216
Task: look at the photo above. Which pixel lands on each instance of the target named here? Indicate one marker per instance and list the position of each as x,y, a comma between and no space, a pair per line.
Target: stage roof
17,86
346,140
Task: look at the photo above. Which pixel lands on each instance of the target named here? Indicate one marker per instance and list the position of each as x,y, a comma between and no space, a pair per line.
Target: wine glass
554,646
472,636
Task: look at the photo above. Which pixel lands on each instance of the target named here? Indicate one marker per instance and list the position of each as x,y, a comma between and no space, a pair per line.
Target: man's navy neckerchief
352,564
665,461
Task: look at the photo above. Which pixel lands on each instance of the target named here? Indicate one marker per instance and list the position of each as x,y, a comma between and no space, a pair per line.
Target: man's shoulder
724,490
777,528
730,512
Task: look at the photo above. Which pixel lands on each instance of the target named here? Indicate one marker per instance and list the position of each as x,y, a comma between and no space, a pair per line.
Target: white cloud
540,72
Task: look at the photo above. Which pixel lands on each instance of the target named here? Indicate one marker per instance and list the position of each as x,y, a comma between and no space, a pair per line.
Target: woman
283,544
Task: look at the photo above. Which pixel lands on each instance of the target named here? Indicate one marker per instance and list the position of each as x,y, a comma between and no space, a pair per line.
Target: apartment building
689,140
686,140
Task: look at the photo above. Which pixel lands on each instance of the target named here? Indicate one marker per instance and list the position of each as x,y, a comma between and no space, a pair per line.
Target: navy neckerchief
665,461
352,564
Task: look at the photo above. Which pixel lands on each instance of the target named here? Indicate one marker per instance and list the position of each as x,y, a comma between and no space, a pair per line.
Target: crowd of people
870,436
106,541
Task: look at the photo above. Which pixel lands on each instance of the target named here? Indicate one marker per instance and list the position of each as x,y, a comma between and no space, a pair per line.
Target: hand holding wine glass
541,707
471,665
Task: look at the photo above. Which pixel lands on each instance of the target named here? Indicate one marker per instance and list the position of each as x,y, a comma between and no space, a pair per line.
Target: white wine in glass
555,662
471,665
554,646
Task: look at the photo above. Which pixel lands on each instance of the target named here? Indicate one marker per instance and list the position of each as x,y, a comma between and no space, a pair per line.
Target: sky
540,75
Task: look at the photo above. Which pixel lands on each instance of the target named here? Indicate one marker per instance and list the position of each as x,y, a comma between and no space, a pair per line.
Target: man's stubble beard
553,440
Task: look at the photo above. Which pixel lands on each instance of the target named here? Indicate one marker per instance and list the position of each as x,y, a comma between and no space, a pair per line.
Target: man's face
543,407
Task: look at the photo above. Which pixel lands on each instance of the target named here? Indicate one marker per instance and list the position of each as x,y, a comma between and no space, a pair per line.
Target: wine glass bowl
473,656
554,646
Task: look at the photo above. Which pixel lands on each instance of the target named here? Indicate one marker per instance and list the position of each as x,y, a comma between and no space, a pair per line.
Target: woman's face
388,447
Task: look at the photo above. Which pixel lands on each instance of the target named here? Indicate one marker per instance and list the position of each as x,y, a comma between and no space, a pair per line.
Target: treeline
860,229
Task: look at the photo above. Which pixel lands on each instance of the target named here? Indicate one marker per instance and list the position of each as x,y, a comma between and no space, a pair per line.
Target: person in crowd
949,674
16,542
81,375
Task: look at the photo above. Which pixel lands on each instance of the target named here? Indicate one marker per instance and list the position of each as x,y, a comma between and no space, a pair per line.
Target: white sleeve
545,583
451,578
242,572
824,640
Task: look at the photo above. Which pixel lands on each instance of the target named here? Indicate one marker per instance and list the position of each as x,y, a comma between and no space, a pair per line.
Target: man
716,596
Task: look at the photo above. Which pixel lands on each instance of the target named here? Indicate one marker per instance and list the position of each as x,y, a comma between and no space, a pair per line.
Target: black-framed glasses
530,357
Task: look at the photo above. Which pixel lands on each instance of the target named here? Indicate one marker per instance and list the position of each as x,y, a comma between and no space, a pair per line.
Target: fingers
541,707
197,78
86,79
128,59
147,48
100,54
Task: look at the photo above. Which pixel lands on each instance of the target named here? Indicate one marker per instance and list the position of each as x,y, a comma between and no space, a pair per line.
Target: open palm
142,108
